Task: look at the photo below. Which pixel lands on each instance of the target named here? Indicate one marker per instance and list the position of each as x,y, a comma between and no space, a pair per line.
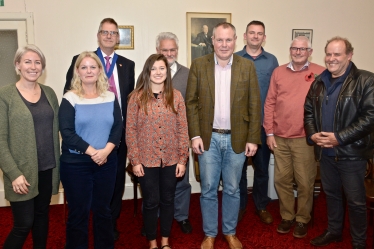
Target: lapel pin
120,65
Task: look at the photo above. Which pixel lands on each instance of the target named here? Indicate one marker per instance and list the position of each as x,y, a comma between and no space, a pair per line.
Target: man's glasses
172,51
106,32
301,49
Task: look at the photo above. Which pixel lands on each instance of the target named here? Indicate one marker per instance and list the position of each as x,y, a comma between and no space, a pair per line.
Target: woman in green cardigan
29,154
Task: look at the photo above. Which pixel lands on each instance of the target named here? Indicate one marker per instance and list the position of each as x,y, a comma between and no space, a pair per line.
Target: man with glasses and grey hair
284,128
167,44
121,77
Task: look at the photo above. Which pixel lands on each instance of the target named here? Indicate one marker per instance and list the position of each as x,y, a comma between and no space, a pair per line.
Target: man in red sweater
284,127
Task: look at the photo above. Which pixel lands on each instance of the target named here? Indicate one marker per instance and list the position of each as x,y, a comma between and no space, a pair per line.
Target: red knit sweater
284,104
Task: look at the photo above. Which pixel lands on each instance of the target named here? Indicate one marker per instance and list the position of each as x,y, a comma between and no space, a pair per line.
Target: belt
221,131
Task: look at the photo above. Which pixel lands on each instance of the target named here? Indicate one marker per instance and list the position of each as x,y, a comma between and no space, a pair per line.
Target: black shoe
325,239
142,232
185,226
285,226
115,234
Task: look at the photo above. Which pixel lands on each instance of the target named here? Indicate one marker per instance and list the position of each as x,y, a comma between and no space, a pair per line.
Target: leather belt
221,131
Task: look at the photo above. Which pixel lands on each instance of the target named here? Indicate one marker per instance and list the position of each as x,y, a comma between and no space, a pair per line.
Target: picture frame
126,37
199,42
303,32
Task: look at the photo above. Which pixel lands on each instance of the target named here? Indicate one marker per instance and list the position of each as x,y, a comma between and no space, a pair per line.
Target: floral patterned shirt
159,137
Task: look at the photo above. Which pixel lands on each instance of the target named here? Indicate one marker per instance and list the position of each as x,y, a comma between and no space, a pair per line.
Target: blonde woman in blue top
91,128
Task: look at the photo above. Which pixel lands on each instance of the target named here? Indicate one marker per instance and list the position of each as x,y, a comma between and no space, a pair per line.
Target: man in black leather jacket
339,121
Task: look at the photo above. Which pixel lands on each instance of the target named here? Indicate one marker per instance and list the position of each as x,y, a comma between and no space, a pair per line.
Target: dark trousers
158,189
32,215
89,187
119,187
349,175
261,177
182,196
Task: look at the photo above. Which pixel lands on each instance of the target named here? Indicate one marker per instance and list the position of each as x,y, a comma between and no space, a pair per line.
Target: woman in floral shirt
157,141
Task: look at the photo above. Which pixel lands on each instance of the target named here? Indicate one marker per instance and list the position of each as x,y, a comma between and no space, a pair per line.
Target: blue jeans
88,187
220,159
261,177
349,175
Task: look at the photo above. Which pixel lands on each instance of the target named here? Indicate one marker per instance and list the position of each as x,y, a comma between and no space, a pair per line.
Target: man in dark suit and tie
204,40
224,113
120,72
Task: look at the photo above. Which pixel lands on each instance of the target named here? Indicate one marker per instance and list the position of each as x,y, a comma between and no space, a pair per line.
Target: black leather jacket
353,117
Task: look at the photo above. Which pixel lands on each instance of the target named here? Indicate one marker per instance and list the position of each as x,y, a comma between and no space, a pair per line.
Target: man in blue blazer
123,77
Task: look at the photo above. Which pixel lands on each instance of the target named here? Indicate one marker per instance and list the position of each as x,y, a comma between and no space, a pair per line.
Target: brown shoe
208,243
233,241
241,214
265,216
285,226
300,230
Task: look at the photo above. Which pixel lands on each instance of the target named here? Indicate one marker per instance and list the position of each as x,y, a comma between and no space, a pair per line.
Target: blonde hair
23,50
102,80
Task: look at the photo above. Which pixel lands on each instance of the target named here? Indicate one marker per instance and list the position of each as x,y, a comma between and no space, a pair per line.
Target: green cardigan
18,154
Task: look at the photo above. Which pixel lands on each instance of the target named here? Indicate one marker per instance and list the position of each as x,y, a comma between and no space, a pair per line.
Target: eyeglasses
173,50
301,49
106,32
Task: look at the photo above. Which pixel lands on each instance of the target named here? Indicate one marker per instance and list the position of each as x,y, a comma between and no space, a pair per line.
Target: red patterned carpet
251,232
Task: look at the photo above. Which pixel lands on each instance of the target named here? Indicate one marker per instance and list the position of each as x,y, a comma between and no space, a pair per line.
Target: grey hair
166,36
23,50
302,38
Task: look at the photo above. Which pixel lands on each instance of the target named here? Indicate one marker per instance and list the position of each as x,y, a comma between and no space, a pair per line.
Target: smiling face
30,66
158,73
224,43
88,71
336,59
255,36
169,49
107,42
298,57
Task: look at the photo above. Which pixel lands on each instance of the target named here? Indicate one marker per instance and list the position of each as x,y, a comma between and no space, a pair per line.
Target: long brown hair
143,89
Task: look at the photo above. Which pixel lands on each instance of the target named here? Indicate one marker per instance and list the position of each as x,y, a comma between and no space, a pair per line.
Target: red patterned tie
112,85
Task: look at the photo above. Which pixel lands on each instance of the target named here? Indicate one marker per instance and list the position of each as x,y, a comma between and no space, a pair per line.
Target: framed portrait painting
199,32
126,37
303,32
